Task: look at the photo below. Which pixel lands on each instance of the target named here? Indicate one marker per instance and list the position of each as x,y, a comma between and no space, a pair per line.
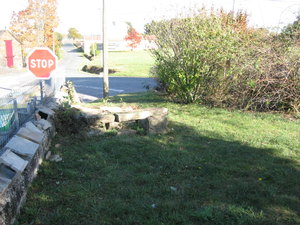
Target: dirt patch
96,69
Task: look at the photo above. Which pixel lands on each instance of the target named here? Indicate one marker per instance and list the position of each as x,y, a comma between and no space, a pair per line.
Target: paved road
90,87
12,79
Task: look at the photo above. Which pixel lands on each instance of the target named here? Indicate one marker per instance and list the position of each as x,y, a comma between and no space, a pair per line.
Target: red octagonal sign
41,62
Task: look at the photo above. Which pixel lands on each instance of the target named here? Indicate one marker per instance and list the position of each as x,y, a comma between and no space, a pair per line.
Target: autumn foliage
133,37
34,26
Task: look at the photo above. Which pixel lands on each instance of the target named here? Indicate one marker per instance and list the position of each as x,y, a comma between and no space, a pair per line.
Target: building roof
11,34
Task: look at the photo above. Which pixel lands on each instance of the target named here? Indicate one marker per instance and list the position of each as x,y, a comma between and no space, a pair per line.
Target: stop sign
41,62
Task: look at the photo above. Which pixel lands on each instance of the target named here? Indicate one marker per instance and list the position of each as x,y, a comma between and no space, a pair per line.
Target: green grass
129,63
213,167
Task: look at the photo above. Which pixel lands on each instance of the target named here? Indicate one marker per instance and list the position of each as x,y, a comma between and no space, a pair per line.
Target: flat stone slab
140,114
98,115
44,124
22,146
46,110
36,137
106,118
13,161
133,115
114,109
30,126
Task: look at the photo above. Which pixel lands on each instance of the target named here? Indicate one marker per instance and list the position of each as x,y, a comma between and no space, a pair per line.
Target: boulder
157,123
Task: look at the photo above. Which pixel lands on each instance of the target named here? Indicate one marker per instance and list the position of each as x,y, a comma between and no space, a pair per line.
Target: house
10,51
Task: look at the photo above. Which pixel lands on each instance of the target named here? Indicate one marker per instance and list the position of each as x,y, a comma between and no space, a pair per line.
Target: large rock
157,123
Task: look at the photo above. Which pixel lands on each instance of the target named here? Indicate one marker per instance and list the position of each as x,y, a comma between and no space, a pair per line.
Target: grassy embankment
214,166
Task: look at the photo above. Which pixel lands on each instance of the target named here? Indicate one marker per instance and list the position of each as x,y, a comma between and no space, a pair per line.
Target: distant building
10,51
116,35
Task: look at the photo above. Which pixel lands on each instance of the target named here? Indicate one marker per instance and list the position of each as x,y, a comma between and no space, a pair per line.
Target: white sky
85,15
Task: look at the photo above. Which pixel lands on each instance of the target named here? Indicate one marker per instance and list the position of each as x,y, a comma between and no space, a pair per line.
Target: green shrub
195,54
94,51
213,57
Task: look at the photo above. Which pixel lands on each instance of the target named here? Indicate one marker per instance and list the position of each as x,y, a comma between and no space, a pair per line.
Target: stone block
22,146
30,126
106,118
140,114
113,109
133,115
96,118
53,105
155,124
46,110
4,183
13,161
6,177
113,125
36,137
44,124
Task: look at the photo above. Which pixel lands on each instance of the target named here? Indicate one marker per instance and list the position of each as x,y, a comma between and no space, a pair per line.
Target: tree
74,34
58,43
133,37
34,26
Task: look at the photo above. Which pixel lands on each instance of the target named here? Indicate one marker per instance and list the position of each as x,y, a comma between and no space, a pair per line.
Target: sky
85,15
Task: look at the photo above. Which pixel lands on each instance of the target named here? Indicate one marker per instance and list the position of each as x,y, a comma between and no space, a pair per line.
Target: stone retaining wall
20,161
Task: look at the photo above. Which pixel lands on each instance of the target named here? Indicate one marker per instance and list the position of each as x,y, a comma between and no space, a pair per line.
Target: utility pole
233,6
105,51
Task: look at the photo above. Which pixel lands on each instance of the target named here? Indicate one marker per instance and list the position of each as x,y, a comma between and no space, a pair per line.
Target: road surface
90,87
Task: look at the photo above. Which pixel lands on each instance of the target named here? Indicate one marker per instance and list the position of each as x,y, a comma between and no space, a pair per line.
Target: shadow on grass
178,178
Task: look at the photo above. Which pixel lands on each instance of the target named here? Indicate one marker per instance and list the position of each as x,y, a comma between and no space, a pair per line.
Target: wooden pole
105,52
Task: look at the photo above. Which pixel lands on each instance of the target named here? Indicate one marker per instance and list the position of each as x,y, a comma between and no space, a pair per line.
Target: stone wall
20,161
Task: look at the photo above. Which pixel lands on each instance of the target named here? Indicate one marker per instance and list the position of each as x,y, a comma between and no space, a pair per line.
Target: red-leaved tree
133,37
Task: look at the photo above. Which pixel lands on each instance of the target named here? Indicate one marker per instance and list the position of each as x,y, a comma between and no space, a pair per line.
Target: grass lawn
213,167
129,63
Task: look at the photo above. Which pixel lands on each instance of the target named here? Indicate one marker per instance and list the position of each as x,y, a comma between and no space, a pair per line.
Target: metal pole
105,52
42,90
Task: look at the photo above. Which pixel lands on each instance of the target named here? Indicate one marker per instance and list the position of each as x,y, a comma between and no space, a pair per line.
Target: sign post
41,62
